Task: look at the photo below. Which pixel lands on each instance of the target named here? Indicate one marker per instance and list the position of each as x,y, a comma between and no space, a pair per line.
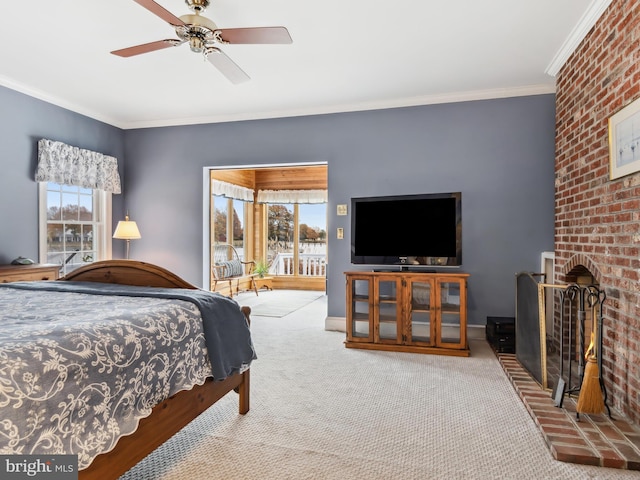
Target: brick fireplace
597,220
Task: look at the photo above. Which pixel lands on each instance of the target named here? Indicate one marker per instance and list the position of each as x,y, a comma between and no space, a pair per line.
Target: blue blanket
226,330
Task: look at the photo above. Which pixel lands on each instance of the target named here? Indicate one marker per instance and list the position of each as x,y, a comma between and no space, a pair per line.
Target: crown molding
454,97
586,22
53,100
422,100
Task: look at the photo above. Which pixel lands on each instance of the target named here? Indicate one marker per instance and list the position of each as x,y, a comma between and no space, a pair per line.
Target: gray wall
23,121
498,153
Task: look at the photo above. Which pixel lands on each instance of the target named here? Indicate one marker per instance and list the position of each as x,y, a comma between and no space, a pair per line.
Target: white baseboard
476,332
335,324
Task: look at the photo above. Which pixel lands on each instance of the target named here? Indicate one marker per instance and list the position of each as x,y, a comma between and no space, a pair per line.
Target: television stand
407,312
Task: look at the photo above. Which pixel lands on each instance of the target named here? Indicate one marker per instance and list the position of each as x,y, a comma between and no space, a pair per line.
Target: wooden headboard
132,272
128,272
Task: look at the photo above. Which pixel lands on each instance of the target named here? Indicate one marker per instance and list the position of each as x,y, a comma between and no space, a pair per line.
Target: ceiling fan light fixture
197,30
196,44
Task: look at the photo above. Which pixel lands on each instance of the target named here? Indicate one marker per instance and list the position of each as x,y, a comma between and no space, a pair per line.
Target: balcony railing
310,264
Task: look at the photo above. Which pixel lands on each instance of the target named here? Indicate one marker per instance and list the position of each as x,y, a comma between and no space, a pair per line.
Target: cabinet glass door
361,318
449,297
387,303
420,313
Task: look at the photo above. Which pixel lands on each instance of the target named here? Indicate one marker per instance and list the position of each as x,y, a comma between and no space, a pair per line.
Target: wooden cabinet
408,312
26,273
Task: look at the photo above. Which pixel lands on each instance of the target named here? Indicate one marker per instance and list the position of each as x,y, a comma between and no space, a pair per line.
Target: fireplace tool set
592,393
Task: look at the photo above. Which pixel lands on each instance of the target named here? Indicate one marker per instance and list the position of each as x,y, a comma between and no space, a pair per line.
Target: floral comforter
81,364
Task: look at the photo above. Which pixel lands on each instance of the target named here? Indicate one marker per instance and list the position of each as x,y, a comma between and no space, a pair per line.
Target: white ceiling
346,55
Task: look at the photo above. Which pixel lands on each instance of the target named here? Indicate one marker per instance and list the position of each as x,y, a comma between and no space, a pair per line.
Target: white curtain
230,190
292,196
67,165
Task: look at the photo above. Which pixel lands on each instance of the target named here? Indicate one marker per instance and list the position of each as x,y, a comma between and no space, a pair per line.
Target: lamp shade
127,230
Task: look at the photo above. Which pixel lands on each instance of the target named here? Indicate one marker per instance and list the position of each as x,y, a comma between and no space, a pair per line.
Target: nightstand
29,273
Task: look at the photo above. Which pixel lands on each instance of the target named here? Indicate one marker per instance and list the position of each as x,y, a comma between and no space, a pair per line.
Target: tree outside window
225,231
296,233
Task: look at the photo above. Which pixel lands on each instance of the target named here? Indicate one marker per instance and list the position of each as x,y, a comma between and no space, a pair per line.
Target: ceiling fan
203,35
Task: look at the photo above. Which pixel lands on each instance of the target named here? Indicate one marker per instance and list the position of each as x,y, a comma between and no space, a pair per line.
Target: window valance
292,196
67,165
229,190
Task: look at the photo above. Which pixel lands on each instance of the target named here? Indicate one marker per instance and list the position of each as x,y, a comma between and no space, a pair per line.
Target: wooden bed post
243,392
245,387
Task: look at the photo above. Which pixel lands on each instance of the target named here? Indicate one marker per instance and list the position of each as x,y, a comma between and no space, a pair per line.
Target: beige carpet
321,411
278,303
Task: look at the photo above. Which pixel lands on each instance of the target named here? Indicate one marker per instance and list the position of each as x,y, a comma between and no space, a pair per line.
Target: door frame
206,205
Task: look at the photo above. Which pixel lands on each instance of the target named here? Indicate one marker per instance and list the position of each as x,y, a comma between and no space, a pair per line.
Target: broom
590,399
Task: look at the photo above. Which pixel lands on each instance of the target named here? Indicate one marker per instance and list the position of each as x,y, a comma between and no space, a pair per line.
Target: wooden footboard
165,420
170,416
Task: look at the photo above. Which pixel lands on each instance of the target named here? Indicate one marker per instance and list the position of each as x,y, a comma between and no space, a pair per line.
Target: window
312,238
75,223
229,228
280,238
296,235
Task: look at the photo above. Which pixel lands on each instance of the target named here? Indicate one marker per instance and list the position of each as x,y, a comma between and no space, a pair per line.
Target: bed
172,349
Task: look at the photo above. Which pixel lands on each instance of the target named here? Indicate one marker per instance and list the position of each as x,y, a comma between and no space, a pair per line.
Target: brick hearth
593,440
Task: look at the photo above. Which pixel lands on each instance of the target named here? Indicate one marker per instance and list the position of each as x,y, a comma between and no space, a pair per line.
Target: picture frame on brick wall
624,141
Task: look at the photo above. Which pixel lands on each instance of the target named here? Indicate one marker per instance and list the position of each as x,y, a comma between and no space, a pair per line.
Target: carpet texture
278,303
321,411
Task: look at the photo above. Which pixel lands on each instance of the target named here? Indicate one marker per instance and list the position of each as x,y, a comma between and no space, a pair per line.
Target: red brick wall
597,220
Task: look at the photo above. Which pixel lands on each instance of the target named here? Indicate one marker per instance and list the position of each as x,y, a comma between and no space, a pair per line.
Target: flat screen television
407,230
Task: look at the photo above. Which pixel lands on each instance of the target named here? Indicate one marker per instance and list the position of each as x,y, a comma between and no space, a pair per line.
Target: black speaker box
501,334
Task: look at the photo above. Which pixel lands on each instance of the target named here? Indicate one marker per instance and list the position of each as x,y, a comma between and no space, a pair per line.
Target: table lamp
127,230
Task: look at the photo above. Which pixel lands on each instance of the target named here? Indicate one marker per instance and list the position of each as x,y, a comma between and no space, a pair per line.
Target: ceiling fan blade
161,12
147,47
256,35
226,66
